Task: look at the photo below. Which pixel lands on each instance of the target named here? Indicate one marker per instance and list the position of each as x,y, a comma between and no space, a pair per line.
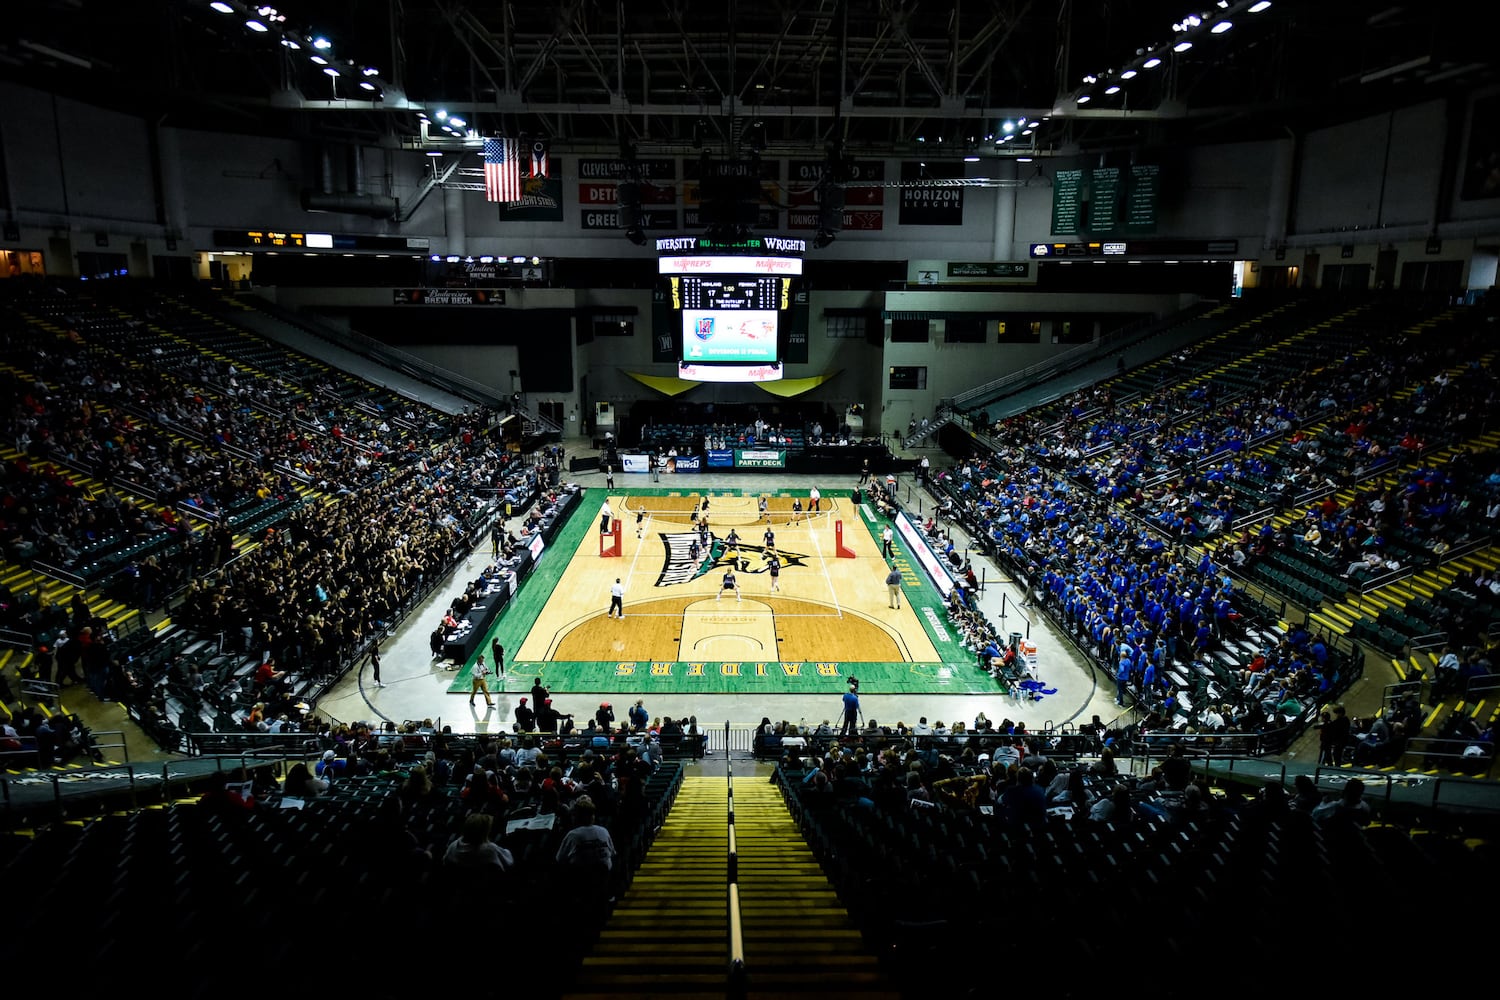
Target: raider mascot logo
686,560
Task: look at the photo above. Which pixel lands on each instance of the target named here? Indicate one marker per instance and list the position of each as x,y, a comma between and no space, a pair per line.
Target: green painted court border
958,674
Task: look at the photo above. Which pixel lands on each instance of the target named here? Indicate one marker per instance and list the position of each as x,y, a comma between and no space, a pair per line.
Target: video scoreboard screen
733,320
730,297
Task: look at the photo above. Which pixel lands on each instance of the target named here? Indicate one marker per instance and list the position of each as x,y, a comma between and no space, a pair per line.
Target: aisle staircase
669,935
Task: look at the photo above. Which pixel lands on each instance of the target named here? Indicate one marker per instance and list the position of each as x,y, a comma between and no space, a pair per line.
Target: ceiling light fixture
1151,63
1182,46
1256,8
1221,27
366,85
457,122
330,71
319,60
222,7
290,44
322,43
971,159
1113,88
1129,74
255,25
1084,99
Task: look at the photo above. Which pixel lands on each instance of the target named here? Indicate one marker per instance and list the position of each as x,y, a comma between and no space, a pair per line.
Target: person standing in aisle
864,473
609,477
479,682
375,665
888,542
850,727
617,598
498,652
893,584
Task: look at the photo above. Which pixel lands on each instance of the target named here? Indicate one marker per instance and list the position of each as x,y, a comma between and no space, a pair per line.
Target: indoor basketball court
683,632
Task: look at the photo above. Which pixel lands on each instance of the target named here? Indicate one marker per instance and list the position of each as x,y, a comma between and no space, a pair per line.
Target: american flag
502,170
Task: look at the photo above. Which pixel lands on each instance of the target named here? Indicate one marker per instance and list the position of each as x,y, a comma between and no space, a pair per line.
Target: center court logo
679,565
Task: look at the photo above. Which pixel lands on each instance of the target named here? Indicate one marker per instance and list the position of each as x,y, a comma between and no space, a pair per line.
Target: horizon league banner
931,206
759,458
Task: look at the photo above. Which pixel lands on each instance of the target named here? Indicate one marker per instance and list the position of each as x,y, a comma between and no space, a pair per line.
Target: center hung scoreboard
730,299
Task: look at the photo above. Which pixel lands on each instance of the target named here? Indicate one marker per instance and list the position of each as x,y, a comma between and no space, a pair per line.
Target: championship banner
759,458
803,177
614,170
606,193
720,458
858,220
608,218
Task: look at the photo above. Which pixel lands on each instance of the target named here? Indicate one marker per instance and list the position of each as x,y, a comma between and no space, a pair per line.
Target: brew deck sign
926,203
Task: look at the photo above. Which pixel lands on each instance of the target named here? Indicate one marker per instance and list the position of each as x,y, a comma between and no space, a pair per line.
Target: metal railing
736,929
1058,362
408,364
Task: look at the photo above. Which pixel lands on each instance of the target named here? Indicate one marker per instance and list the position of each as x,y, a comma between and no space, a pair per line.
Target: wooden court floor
826,608
829,619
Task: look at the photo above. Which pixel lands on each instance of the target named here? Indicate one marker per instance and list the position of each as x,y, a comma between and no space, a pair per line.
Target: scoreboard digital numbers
693,292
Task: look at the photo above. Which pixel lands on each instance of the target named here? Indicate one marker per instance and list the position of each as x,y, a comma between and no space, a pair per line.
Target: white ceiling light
1256,8
518,260
1129,74
441,114
1113,88
434,152
1221,27
330,71
1151,63
322,43
1182,46
971,159
457,122
1084,99
366,85
222,7
320,60
255,25
290,44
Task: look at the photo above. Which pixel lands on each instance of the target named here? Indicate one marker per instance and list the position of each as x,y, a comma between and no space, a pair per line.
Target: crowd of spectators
368,505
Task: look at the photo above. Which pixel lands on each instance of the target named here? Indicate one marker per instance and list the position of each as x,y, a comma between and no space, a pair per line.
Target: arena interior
597,498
